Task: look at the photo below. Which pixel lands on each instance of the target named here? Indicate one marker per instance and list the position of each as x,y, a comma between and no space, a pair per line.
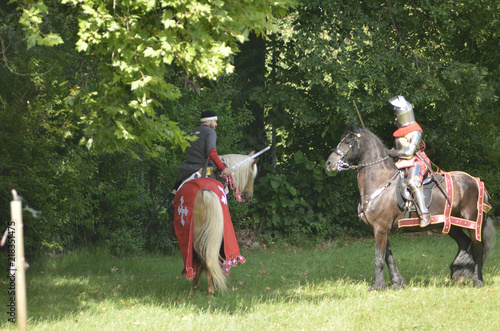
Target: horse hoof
396,287
376,288
478,283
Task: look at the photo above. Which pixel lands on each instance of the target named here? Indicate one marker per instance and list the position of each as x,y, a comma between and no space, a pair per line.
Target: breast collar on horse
344,166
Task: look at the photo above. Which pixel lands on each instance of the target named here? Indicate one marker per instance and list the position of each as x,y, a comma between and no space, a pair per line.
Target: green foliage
133,77
302,202
30,20
125,242
89,198
133,47
216,96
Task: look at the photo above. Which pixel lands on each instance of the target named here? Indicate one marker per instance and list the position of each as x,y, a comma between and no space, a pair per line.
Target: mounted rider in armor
409,153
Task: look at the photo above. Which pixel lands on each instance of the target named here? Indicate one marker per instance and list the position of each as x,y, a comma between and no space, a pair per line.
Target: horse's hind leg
210,282
477,249
397,281
463,265
197,278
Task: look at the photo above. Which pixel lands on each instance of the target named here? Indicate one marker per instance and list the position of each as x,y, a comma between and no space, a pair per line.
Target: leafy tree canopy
333,56
134,46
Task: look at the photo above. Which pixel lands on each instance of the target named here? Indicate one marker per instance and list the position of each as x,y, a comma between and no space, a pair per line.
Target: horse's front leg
380,252
397,281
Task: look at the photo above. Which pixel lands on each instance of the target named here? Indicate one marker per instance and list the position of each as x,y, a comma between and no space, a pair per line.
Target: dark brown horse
377,176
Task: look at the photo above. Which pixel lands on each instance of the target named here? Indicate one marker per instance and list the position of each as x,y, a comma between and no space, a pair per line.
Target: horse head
347,150
244,176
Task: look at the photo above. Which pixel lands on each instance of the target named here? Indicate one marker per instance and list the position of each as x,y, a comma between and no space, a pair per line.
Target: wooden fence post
17,218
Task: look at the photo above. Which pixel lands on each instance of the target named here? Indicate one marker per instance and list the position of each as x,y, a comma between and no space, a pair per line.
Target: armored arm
407,149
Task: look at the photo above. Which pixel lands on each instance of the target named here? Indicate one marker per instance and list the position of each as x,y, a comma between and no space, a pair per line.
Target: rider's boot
415,186
425,218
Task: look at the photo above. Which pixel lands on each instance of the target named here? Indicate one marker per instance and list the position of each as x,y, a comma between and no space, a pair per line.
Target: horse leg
463,265
210,282
196,281
481,250
477,251
380,252
397,281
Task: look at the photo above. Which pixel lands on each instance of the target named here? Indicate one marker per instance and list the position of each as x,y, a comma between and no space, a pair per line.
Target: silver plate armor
403,111
407,145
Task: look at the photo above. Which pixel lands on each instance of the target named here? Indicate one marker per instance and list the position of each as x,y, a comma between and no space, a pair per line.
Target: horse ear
353,127
255,162
251,153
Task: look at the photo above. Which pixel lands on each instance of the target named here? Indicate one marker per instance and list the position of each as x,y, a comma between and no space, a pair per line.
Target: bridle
343,165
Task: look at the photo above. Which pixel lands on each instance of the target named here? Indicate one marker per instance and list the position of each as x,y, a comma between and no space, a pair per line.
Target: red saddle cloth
447,219
183,224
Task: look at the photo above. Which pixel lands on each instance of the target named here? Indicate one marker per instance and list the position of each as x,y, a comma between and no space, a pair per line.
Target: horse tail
211,237
488,236
488,232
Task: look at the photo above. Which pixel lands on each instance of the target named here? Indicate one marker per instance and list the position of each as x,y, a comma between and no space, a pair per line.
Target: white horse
208,222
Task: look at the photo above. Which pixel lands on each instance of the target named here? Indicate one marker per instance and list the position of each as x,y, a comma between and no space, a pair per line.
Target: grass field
280,288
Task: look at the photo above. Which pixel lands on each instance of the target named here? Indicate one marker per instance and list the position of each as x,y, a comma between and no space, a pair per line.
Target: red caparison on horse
203,224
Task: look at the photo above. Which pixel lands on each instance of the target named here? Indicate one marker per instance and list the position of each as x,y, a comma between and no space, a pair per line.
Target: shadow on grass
96,282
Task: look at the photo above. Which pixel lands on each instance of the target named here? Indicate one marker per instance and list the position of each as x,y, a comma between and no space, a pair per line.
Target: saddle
403,195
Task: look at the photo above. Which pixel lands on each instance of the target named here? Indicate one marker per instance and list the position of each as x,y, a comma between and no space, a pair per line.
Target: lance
359,114
253,157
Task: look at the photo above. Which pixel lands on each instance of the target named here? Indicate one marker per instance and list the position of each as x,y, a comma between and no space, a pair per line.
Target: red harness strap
481,207
446,217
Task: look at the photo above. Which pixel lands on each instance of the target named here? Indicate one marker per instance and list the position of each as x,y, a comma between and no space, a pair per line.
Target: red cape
401,132
183,224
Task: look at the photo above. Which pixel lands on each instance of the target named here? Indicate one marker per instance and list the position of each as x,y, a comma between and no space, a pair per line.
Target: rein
369,164
343,165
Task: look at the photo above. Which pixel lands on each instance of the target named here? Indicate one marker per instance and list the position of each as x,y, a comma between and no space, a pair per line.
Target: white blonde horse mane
244,173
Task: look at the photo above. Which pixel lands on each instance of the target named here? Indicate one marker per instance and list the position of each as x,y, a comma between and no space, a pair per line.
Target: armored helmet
403,111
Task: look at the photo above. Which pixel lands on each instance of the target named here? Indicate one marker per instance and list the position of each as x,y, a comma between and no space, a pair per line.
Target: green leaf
51,39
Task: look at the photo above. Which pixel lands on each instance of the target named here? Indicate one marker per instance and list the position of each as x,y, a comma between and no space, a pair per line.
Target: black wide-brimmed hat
208,115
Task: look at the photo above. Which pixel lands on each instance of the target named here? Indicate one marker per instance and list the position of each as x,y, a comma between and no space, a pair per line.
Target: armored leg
418,194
